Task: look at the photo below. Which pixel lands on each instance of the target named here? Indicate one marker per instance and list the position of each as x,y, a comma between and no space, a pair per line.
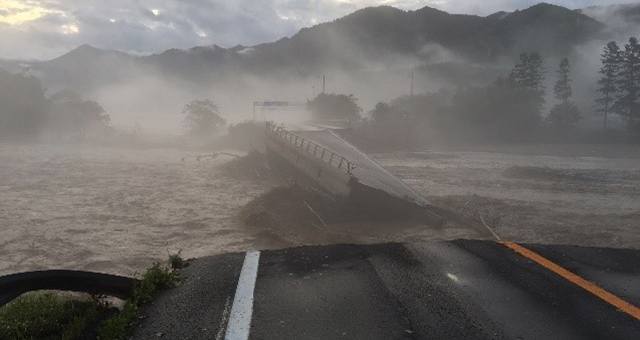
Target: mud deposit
541,194
294,215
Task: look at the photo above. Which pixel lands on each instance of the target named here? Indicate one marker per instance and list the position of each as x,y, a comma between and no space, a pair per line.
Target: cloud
47,28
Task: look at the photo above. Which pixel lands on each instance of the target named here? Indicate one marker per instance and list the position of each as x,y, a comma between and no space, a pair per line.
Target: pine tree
627,105
611,60
564,116
562,88
529,73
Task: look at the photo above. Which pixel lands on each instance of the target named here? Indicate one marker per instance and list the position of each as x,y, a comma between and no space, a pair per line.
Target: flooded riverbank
535,193
118,210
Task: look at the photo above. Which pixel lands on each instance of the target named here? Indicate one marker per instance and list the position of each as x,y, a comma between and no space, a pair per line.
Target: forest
509,110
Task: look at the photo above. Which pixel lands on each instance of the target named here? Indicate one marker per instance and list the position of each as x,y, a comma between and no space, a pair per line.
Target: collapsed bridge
325,159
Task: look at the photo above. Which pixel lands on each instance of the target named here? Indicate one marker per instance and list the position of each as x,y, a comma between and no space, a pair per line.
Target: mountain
622,20
498,15
552,30
376,37
382,34
196,64
86,67
629,13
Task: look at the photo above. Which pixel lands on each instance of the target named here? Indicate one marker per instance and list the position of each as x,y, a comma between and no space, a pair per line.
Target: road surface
437,290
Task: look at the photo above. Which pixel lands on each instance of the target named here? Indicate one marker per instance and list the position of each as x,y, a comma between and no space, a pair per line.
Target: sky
45,29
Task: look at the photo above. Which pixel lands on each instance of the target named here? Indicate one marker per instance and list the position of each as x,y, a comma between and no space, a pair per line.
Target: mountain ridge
356,14
379,37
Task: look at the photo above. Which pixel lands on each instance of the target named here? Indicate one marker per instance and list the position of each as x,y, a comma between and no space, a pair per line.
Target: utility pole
412,83
323,83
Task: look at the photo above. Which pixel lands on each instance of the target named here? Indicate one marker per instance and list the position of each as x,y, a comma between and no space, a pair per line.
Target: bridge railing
315,149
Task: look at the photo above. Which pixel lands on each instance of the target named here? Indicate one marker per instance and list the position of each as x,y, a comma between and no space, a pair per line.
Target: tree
502,111
202,118
564,116
23,106
335,106
529,73
71,114
381,113
608,88
627,105
562,88
412,120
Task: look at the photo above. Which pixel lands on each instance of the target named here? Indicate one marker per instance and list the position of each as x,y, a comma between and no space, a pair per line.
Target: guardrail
315,149
14,285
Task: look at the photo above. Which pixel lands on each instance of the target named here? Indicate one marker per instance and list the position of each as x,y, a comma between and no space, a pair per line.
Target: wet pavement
424,290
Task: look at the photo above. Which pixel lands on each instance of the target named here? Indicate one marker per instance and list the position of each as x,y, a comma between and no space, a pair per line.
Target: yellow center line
617,302
592,288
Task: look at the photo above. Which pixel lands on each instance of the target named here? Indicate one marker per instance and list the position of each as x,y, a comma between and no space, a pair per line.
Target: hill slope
377,37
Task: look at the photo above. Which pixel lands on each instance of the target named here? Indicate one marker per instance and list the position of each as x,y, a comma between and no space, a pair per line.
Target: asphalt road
437,290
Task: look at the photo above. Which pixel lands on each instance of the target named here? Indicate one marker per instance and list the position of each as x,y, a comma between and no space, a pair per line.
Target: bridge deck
367,171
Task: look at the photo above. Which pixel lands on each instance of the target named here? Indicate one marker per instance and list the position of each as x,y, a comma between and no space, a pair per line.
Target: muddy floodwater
562,194
114,210
118,210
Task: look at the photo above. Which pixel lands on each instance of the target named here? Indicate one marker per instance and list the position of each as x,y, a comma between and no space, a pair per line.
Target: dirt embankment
294,214
297,214
252,166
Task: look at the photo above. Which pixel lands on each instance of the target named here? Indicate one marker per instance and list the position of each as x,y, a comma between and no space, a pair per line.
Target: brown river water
114,210
118,210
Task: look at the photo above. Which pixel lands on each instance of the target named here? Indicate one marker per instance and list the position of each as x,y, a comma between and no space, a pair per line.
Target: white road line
223,321
242,309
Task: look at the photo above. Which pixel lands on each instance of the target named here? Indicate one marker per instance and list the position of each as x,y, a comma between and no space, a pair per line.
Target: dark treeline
619,84
27,113
511,109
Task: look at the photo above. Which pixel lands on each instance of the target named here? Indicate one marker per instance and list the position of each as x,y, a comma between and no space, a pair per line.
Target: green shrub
118,326
156,278
45,315
176,261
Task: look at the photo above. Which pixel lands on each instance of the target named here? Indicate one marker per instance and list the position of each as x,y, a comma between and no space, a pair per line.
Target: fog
355,163
149,97
108,159
155,102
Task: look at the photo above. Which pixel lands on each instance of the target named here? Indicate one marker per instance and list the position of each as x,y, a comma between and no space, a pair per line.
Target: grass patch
117,327
38,316
59,316
158,277
176,261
